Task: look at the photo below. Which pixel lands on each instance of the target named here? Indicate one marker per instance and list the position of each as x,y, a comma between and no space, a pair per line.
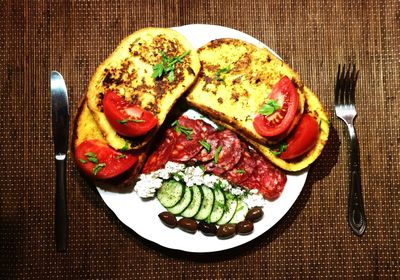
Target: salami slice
243,170
229,151
268,179
187,144
204,155
161,155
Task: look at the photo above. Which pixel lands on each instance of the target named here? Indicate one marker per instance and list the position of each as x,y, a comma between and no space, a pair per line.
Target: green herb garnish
167,66
216,155
221,71
202,168
125,147
269,107
187,131
82,160
120,156
98,167
280,148
125,121
240,171
91,157
205,144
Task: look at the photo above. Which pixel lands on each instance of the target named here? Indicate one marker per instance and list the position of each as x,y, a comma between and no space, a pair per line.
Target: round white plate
142,215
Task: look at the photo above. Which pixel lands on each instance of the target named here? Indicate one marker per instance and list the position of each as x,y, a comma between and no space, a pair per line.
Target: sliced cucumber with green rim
231,204
170,193
207,203
218,207
194,206
240,213
183,203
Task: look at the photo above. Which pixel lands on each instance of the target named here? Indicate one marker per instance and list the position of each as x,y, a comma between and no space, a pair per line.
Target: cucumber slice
218,207
195,204
231,204
240,213
207,204
170,193
183,203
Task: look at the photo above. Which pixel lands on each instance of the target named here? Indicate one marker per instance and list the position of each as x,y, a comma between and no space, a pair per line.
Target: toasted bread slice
128,71
85,128
235,80
233,97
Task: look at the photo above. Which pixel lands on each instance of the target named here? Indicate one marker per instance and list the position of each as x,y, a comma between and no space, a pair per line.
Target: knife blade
60,129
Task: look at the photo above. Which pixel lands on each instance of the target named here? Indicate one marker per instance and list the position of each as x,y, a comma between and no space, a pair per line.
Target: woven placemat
312,240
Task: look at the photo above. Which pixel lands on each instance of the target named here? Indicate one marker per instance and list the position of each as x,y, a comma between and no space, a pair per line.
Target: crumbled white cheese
148,184
253,199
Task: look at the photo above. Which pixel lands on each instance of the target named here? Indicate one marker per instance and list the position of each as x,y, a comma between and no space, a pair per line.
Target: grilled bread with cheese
235,80
128,72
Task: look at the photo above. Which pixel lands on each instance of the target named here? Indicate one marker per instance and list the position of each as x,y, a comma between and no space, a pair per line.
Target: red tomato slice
303,138
127,119
280,121
98,160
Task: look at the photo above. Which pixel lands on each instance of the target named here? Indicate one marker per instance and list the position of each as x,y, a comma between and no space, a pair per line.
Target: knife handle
61,223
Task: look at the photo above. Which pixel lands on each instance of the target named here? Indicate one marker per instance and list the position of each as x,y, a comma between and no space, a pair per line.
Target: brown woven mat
312,240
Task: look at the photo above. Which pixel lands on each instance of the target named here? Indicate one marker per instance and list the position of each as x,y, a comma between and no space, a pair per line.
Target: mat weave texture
312,241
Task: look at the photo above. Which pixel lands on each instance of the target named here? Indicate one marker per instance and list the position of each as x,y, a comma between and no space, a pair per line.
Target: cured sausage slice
243,170
161,155
204,155
268,179
187,135
229,151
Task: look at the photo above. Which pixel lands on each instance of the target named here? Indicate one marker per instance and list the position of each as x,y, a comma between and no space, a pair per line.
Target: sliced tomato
303,138
280,121
96,159
127,119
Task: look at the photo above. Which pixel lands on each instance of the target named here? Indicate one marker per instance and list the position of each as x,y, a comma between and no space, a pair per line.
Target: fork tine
347,87
354,76
337,86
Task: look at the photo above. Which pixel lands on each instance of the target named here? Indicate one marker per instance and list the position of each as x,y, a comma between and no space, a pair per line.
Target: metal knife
60,128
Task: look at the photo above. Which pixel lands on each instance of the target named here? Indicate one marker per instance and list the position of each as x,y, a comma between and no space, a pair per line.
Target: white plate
142,215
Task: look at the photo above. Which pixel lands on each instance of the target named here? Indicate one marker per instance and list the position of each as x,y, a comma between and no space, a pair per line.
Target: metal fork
345,109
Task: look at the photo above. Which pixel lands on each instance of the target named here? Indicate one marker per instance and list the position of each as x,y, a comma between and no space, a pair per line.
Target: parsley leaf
91,157
120,156
125,121
125,147
167,66
82,160
216,155
282,146
205,144
220,71
269,107
187,131
98,167
240,171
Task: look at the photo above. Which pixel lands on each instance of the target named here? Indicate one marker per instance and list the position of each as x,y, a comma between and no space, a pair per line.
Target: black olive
226,231
207,229
255,214
188,225
168,219
244,227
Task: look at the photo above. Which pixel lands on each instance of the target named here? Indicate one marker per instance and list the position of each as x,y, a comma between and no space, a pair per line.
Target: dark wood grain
312,240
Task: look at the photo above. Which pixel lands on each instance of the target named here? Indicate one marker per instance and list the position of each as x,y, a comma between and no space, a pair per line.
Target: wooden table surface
312,240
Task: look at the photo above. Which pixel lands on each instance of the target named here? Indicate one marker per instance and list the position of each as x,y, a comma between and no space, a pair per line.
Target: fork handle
356,214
